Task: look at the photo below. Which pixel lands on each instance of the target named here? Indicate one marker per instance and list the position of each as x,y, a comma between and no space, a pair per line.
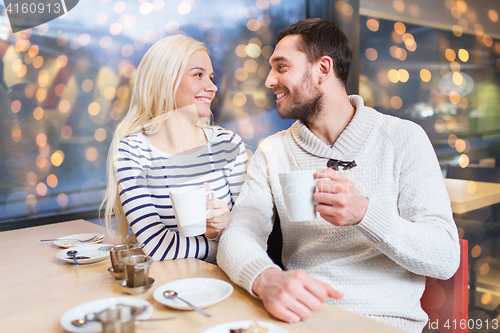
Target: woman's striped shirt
145,174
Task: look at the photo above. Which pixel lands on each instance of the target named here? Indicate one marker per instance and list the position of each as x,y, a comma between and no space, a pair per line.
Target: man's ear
325,68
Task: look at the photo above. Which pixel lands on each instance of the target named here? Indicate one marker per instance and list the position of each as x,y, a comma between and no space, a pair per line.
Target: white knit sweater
380,264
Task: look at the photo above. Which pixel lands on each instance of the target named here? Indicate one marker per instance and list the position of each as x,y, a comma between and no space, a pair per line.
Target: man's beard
305,103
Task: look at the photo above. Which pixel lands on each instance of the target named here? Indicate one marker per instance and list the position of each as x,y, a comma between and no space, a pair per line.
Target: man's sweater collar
350,141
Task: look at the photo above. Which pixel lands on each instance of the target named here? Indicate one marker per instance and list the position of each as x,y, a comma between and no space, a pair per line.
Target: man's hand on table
291,295
339,201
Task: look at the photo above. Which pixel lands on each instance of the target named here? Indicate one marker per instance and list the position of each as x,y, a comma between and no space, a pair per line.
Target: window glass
445,79
65,84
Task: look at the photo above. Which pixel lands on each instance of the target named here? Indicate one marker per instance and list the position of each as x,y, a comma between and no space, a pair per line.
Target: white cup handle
316,190
212,197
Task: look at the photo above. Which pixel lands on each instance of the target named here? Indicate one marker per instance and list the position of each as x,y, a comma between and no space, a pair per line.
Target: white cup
298,190
190,209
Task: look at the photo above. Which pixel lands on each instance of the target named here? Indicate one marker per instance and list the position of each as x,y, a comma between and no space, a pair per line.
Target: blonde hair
153,96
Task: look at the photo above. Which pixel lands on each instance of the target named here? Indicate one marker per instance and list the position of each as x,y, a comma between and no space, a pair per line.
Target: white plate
92,251
202,292
224,328
81,310
69,241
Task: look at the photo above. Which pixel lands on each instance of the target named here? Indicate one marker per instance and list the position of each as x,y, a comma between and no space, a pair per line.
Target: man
385,223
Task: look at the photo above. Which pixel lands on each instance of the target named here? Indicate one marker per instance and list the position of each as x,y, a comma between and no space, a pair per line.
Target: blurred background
64,85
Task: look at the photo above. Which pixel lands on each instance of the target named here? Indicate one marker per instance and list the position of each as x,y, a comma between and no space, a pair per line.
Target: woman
164,142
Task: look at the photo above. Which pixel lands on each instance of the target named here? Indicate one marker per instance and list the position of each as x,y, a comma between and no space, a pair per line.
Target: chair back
446,301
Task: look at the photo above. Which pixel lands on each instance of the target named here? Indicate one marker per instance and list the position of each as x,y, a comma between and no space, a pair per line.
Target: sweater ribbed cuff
252,270
377,222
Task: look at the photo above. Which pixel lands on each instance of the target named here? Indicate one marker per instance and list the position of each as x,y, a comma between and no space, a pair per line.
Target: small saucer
117,275
136,290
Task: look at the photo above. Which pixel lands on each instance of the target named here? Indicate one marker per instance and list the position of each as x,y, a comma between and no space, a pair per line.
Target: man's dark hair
322,38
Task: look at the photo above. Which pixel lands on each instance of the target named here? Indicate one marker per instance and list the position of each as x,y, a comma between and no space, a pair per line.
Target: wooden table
467,195
36,289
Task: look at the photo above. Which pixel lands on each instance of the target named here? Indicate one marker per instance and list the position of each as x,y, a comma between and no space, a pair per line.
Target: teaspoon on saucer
170,294
72,254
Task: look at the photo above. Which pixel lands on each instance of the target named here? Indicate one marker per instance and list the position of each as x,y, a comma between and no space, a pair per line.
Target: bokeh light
30,90
487,40
60,89
84,39
41,139
476,251
115,29
250,65
41,94
94,108
15,106
87,85
371,54
16,133
486,298
454,97
109,93
61,61
119,7
400,28
425,75
184,8
460,145
241,74
240,51
396,102
393,75
41,189
31,200
372,24
91,154
57,158
463,161
493,15
105,42
455,66
100,134
239,99
31,178
450,55
41,161
463,103
62,199
43,79
403,75
457,30
452,138
463,55
33,51
66,132
52,180
439,125
253,25
38,62
471,189
64,106
253,50
484,268
172,27
399,5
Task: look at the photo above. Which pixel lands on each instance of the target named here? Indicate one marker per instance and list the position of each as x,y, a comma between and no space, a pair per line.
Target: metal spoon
170,294
73,253
81,322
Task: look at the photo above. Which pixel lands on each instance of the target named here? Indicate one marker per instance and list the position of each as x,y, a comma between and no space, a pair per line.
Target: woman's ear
325,68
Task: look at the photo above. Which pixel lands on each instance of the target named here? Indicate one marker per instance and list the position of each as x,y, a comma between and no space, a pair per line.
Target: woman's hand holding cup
217,217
